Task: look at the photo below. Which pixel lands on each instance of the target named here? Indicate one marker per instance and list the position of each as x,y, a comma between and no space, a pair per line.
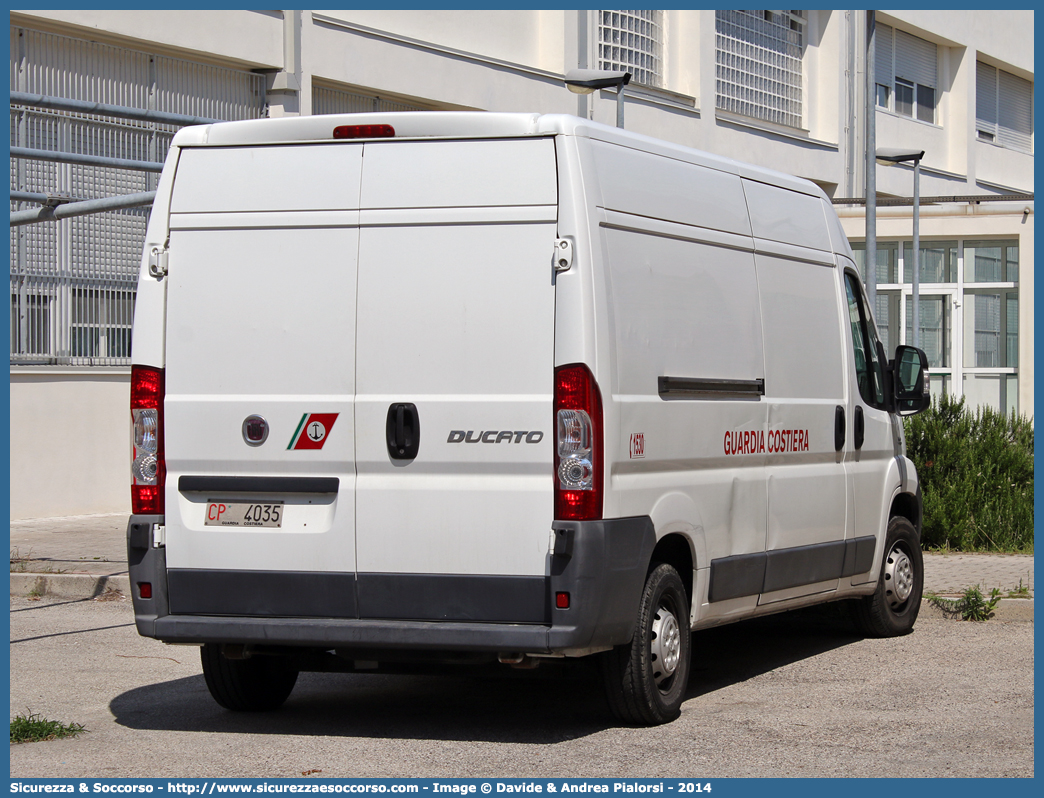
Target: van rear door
261,322
456,353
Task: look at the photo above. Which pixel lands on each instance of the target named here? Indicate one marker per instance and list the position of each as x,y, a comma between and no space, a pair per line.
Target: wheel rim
899,576
665,646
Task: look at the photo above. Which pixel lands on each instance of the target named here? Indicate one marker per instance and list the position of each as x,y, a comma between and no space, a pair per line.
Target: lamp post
585,81
889,157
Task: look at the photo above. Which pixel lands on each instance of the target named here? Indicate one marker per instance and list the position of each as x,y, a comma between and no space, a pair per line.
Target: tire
258,684
646,679
890,611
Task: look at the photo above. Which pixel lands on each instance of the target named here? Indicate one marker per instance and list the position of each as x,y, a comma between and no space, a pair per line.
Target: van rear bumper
600,564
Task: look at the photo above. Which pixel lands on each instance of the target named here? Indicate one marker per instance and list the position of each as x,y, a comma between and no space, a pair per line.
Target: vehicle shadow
555,703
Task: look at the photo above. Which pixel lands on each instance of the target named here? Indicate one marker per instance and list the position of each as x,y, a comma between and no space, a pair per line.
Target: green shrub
976,471
33,728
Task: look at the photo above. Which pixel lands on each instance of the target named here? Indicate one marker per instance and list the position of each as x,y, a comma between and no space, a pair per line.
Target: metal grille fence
632,41
758,64
338,101
73,281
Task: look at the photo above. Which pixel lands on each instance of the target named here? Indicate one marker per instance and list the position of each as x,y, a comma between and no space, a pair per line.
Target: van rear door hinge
158,262
563,257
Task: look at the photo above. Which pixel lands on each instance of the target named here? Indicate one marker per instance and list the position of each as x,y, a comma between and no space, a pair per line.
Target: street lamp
887,156
585,81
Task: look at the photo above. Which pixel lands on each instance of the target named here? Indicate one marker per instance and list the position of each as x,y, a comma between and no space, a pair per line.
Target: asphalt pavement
796,694
85,556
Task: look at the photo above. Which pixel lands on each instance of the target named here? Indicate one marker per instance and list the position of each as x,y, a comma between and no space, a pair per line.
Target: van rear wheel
257,684
645,680
892,608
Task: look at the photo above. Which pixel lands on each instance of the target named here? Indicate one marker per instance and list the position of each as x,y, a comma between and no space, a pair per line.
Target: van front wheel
892,608
645,680
257,684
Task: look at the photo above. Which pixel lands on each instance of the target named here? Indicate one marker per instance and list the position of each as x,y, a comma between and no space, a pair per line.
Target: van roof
470,124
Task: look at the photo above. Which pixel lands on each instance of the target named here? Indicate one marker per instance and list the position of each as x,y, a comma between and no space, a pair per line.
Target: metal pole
583,104
619,105
102,109
871,164
49,214
86,160
21,346
917,254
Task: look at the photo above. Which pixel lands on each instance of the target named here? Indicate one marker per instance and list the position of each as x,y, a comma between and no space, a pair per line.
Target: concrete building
782,89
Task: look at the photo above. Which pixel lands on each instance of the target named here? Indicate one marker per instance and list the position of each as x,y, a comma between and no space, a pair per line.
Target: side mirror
910,380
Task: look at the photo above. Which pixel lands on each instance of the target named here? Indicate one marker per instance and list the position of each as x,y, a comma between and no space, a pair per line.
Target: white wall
444,58
70,442
530,38
248,38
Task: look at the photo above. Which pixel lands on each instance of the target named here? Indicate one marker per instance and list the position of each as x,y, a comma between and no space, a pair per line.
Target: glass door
936,313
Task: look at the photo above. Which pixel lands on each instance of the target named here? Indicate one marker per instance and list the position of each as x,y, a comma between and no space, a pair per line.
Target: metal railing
90,127
326,100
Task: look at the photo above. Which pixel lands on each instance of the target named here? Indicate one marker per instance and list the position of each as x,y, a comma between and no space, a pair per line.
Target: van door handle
839,428
859,427
403,431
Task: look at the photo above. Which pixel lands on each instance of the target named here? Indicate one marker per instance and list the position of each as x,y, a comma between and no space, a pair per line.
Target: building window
758,64
30,327
968,316
991,320
632,41
991,261
936,262
887,261
101,323
1003,108
906,73
935,325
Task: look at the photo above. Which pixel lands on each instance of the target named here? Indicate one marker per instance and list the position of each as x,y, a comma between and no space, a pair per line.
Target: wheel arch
908,506
680,538
676,550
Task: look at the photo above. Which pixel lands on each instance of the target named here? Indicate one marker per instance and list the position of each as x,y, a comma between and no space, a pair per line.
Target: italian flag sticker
312,431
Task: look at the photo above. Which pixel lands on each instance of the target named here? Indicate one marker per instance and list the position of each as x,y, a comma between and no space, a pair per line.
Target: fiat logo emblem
255,430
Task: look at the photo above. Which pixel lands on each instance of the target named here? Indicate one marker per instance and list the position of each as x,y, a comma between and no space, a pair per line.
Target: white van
465,387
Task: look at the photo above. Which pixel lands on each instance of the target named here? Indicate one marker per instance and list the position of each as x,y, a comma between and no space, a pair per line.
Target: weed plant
976,471
34,728
971,606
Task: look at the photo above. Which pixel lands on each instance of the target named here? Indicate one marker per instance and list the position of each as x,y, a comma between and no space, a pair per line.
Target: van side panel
668,189
777,214
682,306
687,311
804,387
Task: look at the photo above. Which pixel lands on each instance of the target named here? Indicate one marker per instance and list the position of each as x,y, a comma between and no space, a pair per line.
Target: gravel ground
792,695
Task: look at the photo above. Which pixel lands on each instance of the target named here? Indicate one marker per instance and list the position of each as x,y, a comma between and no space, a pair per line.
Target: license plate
263,514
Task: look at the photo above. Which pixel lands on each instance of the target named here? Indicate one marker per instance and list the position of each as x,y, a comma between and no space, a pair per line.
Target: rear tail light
148,469
578,444
363,132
